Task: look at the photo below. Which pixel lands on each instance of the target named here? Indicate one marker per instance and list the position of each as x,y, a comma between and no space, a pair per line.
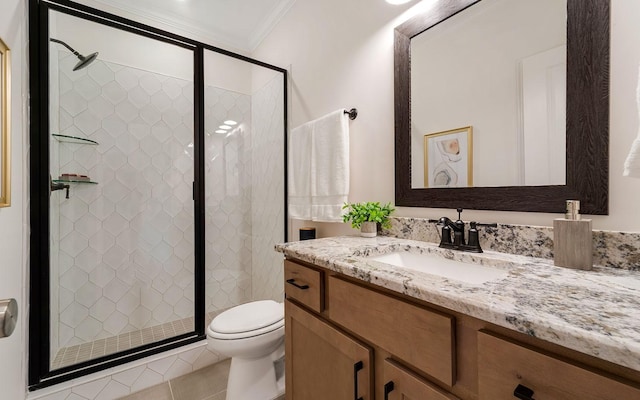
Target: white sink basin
451,269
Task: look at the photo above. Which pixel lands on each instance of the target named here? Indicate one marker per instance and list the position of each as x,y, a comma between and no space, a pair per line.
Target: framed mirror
5,126
445,80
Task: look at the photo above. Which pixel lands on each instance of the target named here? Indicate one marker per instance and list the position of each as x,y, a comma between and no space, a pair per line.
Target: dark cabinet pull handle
388,388
293,282
356,367
523,393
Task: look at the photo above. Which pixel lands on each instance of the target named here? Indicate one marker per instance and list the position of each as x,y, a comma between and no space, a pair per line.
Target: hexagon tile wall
125,247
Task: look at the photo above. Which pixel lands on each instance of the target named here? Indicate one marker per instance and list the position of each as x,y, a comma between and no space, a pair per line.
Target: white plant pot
369,229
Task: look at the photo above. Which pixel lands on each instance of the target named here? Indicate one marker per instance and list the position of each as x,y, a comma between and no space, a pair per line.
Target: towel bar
353,113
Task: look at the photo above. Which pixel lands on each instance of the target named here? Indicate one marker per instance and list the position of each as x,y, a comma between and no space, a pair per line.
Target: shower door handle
8,317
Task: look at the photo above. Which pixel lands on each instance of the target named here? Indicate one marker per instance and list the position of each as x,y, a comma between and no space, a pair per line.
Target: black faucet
453,234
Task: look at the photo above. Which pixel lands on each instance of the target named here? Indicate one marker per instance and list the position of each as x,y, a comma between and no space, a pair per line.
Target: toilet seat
247,320
244,335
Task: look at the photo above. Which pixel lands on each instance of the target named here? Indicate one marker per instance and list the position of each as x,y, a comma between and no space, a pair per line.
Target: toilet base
256,378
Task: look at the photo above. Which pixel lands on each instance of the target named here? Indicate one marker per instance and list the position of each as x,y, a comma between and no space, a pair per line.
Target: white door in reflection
544,79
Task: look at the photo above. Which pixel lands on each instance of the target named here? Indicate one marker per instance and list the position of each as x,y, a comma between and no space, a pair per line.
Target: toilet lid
248,317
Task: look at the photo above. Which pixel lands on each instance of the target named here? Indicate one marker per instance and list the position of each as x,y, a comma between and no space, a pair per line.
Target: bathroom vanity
360,328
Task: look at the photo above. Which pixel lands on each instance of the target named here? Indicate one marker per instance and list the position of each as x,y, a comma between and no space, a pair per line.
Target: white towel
319,168
329,167
632,163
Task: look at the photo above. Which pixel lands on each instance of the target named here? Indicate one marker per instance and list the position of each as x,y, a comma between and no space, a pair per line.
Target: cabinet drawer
420,337
304,285
400,383
503,365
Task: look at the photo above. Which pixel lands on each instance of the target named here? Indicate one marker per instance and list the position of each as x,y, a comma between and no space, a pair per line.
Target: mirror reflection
496,73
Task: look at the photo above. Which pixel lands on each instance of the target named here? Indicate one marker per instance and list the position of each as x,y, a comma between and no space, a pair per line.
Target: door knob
8,317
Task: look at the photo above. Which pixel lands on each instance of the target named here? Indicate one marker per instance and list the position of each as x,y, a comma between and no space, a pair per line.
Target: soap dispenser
573,239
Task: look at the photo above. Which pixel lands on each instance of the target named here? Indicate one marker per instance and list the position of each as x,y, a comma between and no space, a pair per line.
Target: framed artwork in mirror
448,158
5,125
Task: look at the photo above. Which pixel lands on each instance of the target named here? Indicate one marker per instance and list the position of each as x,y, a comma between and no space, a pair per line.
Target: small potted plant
366,216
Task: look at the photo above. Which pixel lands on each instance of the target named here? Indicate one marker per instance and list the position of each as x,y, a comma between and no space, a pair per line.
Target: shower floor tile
71,355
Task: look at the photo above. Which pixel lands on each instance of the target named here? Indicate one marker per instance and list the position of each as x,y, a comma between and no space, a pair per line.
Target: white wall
226,72
340,54
162,23
121,47
13,220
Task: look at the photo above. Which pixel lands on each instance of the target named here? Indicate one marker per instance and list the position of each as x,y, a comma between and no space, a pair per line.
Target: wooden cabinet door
504,366
323,363
401,384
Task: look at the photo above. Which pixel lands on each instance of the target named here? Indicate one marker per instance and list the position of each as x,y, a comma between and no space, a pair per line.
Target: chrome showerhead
84,61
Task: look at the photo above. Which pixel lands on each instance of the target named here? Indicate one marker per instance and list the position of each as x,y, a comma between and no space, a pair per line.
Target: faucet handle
459,210
474,242
474,237
445,230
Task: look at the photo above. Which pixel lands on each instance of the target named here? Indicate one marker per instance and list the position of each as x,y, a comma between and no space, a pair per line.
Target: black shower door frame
40,374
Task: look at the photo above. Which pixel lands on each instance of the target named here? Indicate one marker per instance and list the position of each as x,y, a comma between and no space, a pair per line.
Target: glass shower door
121,206
244,155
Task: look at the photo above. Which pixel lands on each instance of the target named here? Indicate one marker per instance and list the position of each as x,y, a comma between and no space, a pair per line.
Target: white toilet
252,334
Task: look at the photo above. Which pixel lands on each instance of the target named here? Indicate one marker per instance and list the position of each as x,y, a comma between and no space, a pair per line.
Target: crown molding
268,23
194,28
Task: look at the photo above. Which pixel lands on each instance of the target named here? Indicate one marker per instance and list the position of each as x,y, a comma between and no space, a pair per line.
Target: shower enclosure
158,170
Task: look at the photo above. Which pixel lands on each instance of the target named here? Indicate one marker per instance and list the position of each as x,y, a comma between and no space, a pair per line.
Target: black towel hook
353,113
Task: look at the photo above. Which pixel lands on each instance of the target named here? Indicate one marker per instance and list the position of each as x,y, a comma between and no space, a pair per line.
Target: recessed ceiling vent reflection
84,60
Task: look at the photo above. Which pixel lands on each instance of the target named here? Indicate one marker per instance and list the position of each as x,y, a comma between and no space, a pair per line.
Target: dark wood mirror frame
587,121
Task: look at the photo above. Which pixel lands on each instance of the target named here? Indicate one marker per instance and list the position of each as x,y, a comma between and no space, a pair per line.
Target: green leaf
357,213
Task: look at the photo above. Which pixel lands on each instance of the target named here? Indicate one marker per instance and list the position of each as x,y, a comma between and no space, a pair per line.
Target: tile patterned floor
87,351
209,383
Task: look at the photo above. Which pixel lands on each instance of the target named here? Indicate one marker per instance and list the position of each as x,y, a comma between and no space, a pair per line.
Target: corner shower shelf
74,139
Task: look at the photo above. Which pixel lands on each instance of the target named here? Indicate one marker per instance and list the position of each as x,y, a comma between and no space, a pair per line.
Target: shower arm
67,46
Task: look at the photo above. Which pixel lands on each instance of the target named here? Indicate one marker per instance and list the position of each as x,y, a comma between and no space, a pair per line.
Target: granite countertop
594,312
